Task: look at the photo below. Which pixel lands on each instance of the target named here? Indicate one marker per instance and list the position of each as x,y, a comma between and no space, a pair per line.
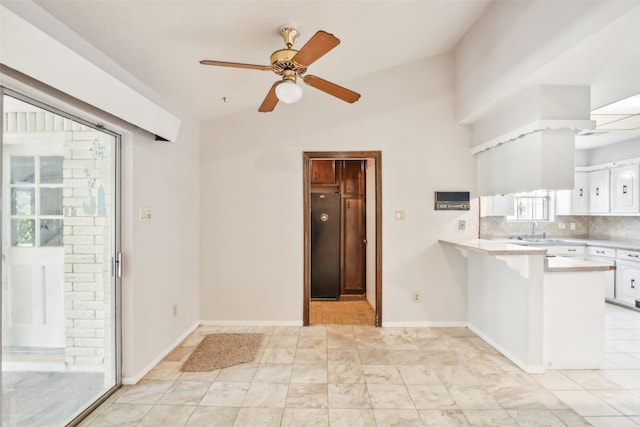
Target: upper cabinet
599,191
581,193
624,189
591,194
352,177
323,172
612,190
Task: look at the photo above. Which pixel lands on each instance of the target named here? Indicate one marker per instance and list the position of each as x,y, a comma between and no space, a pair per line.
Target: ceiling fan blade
271,100
236,65
332,89
321,43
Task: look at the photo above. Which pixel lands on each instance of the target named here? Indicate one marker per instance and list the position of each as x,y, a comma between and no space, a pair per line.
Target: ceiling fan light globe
288,92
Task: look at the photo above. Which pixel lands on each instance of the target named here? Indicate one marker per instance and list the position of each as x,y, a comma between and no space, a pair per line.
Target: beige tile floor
353,376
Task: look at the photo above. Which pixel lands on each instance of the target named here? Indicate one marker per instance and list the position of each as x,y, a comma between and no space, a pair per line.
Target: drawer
570,250
601,252
628,255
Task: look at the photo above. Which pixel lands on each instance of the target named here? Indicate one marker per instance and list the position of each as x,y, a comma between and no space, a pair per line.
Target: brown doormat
217,351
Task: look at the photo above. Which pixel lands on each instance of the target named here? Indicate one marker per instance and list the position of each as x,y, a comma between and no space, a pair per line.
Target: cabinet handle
633,283
571,250
597,191
600,252
581,192
632,256
624,189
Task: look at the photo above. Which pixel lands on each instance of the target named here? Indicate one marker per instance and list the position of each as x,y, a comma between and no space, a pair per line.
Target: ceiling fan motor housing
281,61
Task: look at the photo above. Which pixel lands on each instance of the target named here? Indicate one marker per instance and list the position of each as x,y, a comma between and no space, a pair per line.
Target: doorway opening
356,261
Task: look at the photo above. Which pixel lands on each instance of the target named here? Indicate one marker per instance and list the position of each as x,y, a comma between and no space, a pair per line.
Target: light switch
145,214
399,216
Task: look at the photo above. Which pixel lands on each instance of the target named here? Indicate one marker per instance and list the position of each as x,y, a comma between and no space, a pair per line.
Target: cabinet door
354,246
581,193
599,191
624,189
323,172
352,177
563,202
628,283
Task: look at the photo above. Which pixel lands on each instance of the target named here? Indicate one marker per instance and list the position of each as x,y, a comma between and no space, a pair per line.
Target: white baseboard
250,323
428,324
129,380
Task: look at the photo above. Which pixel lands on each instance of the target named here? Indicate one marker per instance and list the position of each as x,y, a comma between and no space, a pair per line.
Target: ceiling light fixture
288,91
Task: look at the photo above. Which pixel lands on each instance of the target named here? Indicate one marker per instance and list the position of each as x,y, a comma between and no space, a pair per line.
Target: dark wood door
354,248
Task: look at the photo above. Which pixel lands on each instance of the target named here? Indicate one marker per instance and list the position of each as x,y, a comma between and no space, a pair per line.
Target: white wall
252,199
611,153
160,255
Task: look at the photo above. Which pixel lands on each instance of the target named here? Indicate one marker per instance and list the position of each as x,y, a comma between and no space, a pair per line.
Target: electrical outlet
485,226
415,297
462,224
573,225
562,226
175,310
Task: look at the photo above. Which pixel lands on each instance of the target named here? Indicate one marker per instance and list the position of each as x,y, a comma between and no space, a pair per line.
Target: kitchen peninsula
540,312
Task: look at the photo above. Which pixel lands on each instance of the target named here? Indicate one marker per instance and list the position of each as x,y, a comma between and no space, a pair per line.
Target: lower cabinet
628,278
628,283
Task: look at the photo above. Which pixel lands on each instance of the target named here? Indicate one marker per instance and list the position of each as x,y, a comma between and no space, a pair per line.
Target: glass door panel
59,312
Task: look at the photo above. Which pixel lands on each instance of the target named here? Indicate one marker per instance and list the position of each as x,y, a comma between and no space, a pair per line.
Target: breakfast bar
541,312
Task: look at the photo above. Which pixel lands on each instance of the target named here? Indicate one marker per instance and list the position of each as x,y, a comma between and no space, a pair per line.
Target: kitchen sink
542,240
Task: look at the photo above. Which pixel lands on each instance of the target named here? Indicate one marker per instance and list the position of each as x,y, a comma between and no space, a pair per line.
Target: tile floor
353,376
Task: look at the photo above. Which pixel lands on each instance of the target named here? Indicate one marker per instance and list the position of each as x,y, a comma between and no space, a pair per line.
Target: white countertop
494,247
562,241
551,264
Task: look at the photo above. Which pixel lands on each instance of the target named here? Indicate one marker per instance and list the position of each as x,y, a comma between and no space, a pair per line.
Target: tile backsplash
618,228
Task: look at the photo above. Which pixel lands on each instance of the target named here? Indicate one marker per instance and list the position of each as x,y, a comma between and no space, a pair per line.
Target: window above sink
533,206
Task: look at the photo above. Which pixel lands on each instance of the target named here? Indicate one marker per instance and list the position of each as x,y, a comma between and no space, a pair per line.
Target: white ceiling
161,42
157,45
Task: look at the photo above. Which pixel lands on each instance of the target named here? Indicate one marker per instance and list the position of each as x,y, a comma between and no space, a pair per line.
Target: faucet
533,229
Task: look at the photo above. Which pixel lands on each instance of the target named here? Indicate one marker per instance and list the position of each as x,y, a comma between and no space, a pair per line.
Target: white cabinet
628,279
498,205
591,193
581,193
599,191
607,255
564,202
577,251
624,189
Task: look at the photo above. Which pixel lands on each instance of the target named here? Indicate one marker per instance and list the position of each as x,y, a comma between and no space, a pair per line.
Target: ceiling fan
291,64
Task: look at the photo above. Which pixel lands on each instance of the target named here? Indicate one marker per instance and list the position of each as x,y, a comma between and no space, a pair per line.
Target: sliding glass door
59,300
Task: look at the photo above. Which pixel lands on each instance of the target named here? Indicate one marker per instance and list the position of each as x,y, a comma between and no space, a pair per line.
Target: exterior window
533,206
36,201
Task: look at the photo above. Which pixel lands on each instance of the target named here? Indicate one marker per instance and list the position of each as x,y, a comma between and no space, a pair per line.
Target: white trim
625,162
133,379
534,127
51,62
427,324
251,323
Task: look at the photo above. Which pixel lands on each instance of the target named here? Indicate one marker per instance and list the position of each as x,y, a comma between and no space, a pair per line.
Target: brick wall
87,182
